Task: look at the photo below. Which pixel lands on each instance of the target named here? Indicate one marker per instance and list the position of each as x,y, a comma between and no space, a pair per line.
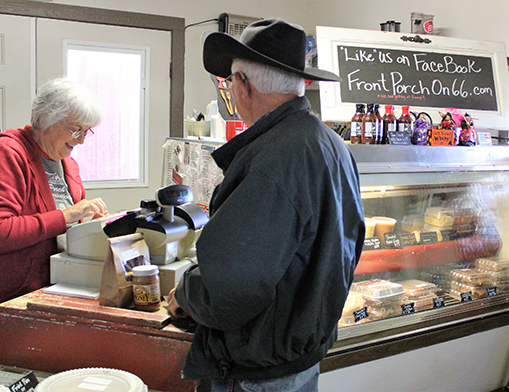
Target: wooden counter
53,333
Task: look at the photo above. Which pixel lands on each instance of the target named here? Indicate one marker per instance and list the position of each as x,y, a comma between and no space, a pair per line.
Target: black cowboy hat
270,41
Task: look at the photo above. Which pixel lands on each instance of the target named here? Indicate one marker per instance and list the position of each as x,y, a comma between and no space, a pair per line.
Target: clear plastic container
464,216
354,302
421,303
470,276
383,312
501,285
417,288
438,216
492,264
376,291
437,229
476,294
496,276
412,223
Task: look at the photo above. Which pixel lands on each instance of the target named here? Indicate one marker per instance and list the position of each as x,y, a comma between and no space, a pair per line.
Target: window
115,155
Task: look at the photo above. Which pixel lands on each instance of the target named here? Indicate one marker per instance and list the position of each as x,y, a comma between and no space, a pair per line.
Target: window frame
143,152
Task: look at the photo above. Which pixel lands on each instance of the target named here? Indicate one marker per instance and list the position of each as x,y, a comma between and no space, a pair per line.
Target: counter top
52,333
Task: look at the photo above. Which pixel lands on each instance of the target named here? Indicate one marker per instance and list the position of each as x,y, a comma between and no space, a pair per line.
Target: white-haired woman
41,192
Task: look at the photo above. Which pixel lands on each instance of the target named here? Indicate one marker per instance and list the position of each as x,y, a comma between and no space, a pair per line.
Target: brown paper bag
125,252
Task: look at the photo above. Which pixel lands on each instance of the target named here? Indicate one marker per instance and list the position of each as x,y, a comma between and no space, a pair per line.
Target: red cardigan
29,220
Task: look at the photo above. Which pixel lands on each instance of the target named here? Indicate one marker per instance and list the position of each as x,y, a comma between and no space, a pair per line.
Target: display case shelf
422,256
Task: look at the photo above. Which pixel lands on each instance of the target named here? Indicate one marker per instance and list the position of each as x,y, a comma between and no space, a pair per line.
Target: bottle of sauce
356,125
369,125
406,122
390,123
379,125
146,289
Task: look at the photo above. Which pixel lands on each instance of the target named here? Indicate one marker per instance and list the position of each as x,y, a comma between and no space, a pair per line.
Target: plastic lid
492,264
377,289
145,270
92,379
418,288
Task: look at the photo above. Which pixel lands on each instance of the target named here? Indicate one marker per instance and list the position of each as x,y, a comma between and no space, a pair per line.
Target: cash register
171,224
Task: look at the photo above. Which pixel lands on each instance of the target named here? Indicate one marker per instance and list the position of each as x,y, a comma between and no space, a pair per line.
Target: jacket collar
226,153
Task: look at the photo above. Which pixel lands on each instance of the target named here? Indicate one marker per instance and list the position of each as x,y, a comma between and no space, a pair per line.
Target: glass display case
434,261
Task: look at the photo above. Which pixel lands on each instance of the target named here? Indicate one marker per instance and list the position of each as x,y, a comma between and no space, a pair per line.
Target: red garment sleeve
25,218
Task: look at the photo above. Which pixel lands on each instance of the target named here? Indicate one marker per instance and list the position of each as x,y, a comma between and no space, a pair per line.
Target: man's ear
245,87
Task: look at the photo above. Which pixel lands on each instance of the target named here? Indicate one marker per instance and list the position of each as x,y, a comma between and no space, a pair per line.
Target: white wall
469,19
476,363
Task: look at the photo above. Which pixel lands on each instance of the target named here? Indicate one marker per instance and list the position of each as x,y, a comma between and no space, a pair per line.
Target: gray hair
270,80
62,98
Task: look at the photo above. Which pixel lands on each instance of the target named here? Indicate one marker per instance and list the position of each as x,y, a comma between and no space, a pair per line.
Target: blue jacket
277,258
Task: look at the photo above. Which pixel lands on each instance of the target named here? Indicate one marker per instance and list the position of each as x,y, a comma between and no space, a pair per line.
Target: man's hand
173,306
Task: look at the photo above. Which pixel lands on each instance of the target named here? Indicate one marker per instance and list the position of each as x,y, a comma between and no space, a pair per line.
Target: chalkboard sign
408,239
449,235
438,302
373,243
392,241
399,138
416,78
429,237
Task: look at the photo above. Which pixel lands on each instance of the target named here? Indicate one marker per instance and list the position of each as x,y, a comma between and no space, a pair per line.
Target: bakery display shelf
421,256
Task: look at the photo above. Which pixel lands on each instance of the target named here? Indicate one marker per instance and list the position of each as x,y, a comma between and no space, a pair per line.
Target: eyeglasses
241,74
79,133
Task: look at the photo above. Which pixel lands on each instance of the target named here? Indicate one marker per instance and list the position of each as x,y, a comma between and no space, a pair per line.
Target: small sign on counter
17,379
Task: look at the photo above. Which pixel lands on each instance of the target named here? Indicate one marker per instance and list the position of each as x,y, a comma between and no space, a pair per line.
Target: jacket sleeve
243,252
23,220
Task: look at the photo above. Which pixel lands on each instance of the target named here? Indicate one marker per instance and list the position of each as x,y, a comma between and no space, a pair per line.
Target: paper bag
125,252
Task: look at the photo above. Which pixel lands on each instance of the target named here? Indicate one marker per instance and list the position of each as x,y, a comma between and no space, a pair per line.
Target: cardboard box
75,271
170,274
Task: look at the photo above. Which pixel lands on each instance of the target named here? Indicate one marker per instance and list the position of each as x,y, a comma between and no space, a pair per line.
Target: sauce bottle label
356,129
368,129
405,127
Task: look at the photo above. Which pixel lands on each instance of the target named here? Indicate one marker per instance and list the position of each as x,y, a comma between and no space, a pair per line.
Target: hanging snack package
125,253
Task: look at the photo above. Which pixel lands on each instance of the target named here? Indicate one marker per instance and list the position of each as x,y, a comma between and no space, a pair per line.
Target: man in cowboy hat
277,258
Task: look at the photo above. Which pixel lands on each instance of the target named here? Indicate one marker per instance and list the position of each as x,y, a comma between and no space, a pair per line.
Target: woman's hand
94,208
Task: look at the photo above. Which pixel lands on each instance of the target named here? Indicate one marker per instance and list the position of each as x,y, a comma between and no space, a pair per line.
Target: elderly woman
41,192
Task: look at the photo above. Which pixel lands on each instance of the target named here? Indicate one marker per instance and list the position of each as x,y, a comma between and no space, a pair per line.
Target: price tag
491,291
466,297
438,302
360,314
392,241
373,243
399,138
449,235
408,239
407,308
429,237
